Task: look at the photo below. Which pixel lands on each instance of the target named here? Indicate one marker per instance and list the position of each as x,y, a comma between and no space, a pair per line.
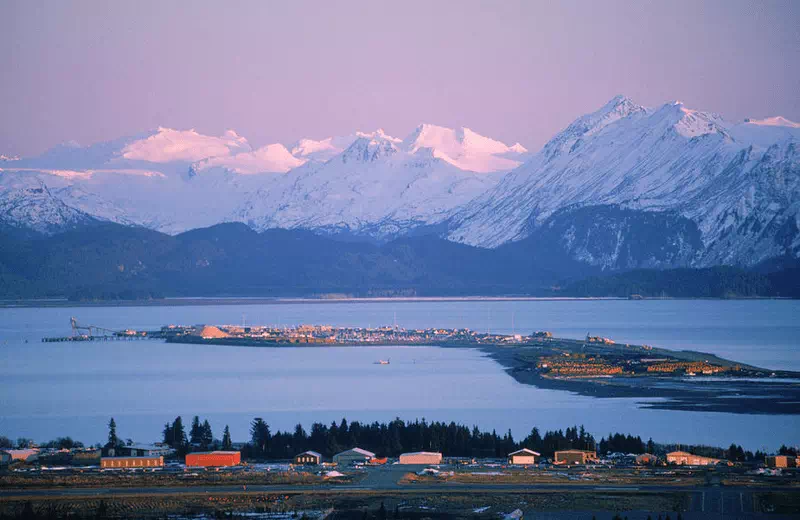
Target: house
523,457
26,455
781,461
421,457
131,462
353,456
683,458
214,458
308,458
571,457
646,459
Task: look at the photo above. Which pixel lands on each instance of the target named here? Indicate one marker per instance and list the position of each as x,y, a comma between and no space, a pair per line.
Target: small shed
575,457
309,458
421,457
523,457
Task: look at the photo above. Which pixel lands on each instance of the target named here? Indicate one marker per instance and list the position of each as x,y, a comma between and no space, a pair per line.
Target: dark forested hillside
110,261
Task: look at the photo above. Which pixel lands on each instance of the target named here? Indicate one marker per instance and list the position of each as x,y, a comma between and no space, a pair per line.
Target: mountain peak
618,107
369,148
461,147
773,121
169,145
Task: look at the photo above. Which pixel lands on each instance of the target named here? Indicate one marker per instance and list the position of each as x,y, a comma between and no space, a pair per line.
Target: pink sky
280,71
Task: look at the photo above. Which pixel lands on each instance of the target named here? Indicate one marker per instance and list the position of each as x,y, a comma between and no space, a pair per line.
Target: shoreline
287,300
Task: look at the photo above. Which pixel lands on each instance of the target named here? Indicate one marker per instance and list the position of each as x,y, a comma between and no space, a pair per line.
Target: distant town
376,464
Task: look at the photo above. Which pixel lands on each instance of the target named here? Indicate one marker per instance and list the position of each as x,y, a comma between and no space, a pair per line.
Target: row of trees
398,436
201,437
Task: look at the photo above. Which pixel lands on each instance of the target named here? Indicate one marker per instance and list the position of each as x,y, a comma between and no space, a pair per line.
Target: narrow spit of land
594,366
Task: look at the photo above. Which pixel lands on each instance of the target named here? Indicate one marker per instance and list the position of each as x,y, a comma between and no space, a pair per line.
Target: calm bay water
51,390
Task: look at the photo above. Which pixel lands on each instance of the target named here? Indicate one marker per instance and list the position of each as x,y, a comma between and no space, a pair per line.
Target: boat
383,361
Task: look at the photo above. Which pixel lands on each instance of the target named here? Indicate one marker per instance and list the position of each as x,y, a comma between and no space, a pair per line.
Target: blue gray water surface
50,390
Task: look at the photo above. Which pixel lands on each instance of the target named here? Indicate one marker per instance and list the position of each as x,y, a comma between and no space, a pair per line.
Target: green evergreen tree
226,439
206,435
260,436
113,440
196,431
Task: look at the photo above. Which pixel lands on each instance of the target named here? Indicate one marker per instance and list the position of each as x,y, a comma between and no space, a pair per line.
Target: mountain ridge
676,172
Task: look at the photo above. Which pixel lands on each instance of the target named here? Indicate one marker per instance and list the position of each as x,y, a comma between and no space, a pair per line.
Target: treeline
619,443
384,439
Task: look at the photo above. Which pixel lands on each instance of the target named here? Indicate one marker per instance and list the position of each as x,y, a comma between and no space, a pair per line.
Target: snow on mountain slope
665,159
273,158
27,203
175,180
464,149
373,187
168,145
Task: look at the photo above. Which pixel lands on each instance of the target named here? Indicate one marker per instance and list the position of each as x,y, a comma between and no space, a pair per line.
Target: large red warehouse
214,458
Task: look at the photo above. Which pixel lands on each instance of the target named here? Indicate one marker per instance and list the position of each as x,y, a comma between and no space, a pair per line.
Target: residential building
683,458
781,461
523,457
311,458
131,462
353,456
5,458
214,458
421,457
575,457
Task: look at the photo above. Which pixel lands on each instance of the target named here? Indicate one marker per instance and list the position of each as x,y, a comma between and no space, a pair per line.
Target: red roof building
214,458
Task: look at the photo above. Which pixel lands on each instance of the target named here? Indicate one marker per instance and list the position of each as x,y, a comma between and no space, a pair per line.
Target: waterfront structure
308,458
25,455
523,457
210,459
781,461
571,457
353,456
131,462
683,458
421,457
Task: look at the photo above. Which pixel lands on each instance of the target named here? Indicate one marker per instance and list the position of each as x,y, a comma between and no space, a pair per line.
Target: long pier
114,337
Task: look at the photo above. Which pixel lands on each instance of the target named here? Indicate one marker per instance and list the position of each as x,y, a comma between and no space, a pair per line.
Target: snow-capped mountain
26,203
625,186
739,184
175,180
379,186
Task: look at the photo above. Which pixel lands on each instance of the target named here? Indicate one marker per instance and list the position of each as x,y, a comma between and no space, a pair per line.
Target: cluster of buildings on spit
152,456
